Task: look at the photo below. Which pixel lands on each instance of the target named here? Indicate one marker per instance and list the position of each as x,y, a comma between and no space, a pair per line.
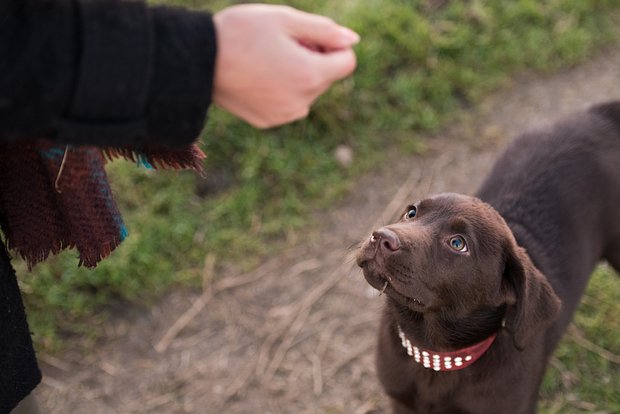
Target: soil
297,334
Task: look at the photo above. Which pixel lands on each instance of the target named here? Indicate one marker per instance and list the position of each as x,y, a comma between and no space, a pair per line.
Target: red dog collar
446,361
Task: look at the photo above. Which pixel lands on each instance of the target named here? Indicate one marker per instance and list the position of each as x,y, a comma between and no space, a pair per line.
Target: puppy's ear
532,302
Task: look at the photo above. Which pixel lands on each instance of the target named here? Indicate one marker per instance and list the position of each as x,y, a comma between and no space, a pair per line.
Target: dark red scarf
53,197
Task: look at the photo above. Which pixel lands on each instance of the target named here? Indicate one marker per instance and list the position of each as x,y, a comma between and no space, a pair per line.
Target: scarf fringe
190,158
33,255
88,257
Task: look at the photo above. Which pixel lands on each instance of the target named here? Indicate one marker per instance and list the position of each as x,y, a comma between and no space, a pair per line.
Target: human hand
273,62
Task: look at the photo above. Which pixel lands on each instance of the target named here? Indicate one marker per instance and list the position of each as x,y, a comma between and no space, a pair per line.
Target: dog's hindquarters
559,190
610,163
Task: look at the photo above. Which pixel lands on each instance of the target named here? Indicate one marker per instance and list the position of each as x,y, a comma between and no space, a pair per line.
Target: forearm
104,72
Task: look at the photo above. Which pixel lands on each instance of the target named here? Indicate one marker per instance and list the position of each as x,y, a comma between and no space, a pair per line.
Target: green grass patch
417,65
582,379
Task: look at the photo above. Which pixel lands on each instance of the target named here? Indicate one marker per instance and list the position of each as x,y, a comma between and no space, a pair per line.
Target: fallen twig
285,343
54,383
362,350
54,362
239,382
365,408
577,336
317,374
207,272
206,295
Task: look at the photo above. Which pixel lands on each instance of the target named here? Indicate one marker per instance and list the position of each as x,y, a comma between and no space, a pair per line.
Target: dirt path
297,334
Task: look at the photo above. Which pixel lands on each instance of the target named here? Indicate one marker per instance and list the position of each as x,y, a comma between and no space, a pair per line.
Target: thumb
320,31
335,65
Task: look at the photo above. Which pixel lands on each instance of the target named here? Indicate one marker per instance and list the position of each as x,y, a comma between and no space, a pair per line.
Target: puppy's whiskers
355,245
384,287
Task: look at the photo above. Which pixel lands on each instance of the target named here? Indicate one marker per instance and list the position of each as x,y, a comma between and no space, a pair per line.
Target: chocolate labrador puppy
480,289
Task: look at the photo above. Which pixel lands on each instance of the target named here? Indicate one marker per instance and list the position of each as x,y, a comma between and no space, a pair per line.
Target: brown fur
543,219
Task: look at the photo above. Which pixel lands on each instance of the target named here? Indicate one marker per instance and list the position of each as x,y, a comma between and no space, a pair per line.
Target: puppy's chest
442,392
450,394
425,391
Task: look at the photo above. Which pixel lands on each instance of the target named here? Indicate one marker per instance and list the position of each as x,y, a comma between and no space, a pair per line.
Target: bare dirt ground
297,334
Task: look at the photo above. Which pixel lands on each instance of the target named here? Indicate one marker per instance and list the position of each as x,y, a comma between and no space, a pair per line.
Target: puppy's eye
412,211
458,243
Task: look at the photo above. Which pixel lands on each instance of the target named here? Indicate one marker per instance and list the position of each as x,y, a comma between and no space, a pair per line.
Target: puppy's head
455,255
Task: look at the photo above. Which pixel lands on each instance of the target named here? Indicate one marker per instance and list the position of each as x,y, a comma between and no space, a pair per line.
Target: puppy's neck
442,331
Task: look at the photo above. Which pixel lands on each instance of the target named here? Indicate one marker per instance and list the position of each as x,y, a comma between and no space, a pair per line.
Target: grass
581,379
418,63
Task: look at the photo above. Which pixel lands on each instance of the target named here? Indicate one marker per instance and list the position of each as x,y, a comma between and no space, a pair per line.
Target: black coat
93,72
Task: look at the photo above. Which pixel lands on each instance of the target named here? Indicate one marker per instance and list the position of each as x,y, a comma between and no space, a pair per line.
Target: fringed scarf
55,197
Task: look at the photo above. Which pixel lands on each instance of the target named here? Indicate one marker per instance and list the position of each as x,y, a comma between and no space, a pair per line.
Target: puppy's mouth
412,303
387,285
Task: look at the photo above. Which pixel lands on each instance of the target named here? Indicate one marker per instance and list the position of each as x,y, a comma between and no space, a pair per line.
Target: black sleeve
104,72
19,372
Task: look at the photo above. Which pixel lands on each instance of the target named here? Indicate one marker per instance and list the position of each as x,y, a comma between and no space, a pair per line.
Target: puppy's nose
387,239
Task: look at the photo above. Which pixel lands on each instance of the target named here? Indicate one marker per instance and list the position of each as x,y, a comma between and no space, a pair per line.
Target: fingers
336,59
335,65
304,55
319,31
